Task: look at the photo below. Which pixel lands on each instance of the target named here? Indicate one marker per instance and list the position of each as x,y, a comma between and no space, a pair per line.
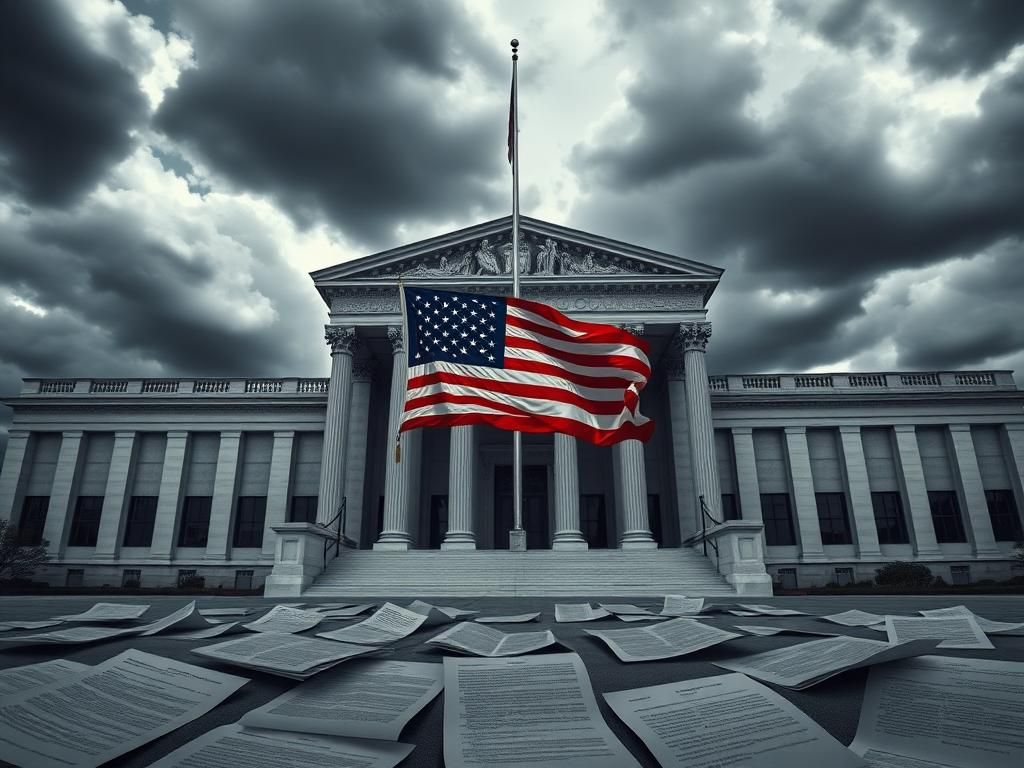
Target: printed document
519,618
988,626
661,641
565,612
232,746
468,637
437,614
745,614
6,626
728,720
228,628
282,654
801,666
631,617
285,620
945,710
680,605
69,636
186,618
17,679
535,711
225,611
954,631
368,699
769,631
771,610
388,624
108,612
88,718
854,618
346,612
626,609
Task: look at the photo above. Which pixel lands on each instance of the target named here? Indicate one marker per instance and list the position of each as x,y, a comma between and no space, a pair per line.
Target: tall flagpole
517,537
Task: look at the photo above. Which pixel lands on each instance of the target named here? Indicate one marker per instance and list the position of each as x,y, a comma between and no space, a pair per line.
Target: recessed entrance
535,506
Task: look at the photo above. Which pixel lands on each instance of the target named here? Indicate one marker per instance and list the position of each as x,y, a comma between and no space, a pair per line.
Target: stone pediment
547,252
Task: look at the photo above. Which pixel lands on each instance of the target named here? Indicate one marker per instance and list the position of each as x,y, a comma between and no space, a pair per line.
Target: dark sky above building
171,171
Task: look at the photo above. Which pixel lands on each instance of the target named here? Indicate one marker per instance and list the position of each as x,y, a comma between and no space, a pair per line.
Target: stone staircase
537,573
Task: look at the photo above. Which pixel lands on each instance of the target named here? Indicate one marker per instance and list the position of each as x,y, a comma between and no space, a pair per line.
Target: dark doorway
438,519
535,506
593,523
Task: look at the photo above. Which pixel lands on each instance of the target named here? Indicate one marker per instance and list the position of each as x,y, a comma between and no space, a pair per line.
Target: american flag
520,365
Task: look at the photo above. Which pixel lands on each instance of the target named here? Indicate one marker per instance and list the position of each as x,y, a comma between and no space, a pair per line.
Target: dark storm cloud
953,36
340,109
67,110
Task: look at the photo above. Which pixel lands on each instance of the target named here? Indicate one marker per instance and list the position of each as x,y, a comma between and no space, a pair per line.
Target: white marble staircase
455,573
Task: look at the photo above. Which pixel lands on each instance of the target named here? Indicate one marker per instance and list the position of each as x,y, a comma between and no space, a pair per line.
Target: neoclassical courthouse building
156,480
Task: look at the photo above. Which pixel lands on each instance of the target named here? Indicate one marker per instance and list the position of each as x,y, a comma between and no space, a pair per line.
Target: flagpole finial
515,49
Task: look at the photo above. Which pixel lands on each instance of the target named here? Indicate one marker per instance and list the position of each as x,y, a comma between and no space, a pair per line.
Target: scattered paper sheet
988,626
945,710
108,612
566,612
229,628
854,618
747,614
437,615
233,745
6,626
347,611
18,679
93,716
801,666
369,699
519,618
387,625
469,637
285,621
771,610
954,631
768,631
529,710
728,720
680,605
225,611
661,641
69,636
186,618
330,606
626,609
282,654
630,617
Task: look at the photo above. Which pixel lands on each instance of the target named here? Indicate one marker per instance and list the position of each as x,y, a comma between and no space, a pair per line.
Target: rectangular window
960,574
131,578
889,520
1002,509
243,579
835,528
33,520
304,509
778,522
138,529
949,528
843,576
249,521
195,521
75,577
787,578
730,507
184,576
85,526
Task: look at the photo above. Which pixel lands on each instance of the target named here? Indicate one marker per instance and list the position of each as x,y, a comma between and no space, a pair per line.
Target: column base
570,543
459,541
392,546
517,541
638,544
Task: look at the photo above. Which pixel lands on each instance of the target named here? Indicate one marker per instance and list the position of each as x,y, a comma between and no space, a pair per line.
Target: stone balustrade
178,388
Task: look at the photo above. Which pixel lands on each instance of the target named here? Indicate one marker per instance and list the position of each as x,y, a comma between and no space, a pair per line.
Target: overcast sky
171,171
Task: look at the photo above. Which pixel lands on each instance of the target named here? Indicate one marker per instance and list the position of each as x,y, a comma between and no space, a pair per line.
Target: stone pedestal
740,556
517,541
298,559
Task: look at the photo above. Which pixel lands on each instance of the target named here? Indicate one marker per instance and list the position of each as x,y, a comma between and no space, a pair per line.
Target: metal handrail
705,514
337,530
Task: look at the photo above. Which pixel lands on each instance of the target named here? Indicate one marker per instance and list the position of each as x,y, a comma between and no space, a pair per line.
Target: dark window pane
33,520
249,521
138,529
730,507
195,521
1002,509
835,529
304,509
889,520
85,526
778,522
949,528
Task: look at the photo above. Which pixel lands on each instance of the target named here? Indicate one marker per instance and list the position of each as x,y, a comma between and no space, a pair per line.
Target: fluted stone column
461,474
115,497
693,341
332,468
13,476
682,464
915,491
399,480
747,484
65,478
973,490
567,496
802,482
636,526
168,505
861,508
225,497
278,489
355,452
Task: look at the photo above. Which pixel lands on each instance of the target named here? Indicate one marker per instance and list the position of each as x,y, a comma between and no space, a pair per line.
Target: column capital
177,435
959,427
849,429
743,430
72,433
397,338
284,434
693,337
362,369
124,435
905,428
637,329
231,434
341,339
795,430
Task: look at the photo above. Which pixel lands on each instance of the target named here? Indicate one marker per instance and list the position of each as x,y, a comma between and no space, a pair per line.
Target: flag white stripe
584,370
623,350
485,374
524,314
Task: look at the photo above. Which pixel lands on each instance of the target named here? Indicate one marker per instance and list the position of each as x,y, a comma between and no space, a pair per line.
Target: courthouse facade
151,481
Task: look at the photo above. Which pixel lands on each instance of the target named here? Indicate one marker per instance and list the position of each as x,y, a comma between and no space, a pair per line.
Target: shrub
939,582
192,583
985,583
904,575
18,561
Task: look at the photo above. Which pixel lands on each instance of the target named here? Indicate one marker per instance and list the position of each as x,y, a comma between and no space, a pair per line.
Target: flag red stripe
456,403
533,366
552,314
597,407
617,361
537,424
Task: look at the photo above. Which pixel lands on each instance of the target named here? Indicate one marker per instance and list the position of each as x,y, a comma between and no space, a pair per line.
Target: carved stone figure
524,257
547,256
461,264
487,261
